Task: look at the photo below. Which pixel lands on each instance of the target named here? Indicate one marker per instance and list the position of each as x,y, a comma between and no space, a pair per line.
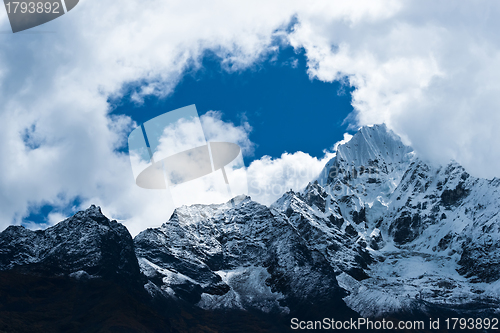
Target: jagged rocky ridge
86,245
245,257
380,232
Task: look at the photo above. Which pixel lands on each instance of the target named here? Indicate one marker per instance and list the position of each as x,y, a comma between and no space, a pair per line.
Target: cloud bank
427,69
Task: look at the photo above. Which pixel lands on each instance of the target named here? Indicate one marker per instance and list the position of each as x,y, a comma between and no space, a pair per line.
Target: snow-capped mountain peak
373,149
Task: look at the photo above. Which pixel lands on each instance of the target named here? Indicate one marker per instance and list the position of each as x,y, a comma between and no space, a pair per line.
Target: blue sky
287,110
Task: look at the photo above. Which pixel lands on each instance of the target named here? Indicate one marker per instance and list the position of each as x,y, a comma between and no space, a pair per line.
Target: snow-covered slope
433,231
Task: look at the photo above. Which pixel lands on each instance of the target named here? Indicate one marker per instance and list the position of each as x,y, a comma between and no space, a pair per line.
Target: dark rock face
338,222
351,231
358,217
481,263
445,241
87,242
454,196
405,228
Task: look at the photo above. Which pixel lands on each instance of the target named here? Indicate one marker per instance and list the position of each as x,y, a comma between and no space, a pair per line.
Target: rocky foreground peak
87,242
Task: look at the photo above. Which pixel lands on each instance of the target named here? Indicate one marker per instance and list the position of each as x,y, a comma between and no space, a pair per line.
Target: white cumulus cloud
428,69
